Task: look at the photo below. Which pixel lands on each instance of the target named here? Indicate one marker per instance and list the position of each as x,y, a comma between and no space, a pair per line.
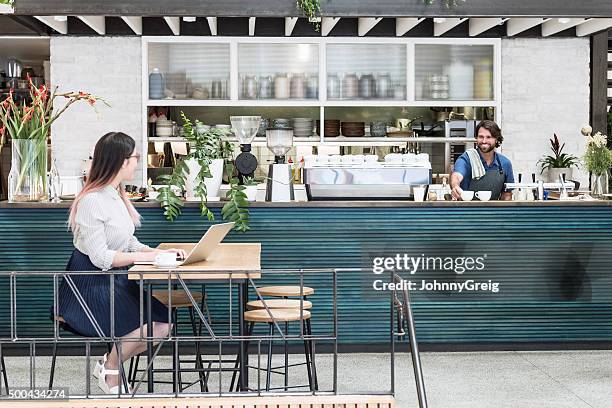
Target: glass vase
27,180
599,184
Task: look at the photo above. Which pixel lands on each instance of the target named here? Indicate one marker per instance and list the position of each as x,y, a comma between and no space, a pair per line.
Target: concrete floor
459,380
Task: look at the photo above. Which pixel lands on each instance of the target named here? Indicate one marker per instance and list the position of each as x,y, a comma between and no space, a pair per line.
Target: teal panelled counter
546,274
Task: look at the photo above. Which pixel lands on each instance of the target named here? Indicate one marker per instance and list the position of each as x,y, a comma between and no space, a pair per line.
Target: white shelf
257,142
367,103
241,103
391,141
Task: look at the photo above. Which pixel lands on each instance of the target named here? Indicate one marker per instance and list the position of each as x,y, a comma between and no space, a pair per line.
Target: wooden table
230,260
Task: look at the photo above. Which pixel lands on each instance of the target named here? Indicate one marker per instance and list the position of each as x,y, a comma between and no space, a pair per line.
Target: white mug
483,195
165,259
371,158
322,158
419,193
467,195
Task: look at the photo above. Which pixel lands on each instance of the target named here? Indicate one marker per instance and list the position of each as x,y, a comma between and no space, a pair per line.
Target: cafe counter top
546,265
347,204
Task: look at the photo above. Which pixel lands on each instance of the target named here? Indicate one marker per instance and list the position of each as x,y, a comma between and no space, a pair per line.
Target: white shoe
104,386
98,366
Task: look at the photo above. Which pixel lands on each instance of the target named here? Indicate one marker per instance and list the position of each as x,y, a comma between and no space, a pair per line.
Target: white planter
213,184
251,193
554,173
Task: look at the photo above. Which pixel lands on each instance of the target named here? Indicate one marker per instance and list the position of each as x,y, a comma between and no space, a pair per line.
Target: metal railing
222,339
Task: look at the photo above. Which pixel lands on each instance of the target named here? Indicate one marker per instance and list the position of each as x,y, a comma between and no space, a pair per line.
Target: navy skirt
95,290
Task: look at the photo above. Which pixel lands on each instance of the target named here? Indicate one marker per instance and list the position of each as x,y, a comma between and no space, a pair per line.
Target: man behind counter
483,168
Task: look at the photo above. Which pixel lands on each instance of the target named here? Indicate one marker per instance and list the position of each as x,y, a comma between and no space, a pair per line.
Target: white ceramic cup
371,158
153,195
467,195
310,160
483,195
322,159
346,159
419,193
358,158
335,159
165,259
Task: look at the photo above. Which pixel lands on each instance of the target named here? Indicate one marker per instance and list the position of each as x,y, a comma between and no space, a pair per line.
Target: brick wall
545,90
109,67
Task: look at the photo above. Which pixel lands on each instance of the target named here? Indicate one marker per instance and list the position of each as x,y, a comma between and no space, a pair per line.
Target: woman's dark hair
493,128
110,153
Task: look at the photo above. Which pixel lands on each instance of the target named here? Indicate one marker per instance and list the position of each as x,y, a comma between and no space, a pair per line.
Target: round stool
284,316
279,304
286,291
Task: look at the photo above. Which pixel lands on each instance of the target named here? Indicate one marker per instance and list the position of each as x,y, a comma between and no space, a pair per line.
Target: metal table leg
243,352
149,342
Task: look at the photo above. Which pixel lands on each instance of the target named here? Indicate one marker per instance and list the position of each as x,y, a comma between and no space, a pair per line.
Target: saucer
167,266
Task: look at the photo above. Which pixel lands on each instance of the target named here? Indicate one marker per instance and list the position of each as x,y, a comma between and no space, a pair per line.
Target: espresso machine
245,128
280,180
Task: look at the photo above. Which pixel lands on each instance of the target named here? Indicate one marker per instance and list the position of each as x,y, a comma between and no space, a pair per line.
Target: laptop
206,246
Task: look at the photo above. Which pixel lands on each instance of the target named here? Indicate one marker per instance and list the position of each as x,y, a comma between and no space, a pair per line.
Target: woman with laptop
103,220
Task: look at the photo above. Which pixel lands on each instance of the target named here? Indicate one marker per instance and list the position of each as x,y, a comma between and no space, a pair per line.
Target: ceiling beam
555,25
212,24
516,26
327,24
31,24
405,24
333,8
252,26
365,24
449,24
59,26
135,24
480,25
175,24
290,25
96,23
593,25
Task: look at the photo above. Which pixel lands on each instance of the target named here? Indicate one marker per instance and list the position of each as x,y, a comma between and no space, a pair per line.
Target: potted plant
598,160
558,162
250,188
195,172
28,127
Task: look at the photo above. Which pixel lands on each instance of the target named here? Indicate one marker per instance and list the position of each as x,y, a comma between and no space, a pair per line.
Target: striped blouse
104,227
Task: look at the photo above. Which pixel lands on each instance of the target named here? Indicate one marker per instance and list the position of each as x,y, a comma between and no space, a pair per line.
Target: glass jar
27,179
281,86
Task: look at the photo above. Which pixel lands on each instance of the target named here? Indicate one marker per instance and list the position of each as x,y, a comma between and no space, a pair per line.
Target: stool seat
279,315
179,297
286,291
279,304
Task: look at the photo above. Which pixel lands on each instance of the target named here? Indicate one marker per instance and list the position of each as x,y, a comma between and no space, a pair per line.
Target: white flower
599,140
586,130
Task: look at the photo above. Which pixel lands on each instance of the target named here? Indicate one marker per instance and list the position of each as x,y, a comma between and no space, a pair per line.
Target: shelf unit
439,51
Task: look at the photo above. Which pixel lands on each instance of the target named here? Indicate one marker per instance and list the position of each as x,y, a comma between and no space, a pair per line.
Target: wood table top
235,260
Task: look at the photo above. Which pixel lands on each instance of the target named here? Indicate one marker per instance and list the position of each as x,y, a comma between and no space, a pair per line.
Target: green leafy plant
312,10
249,181
9,2
598,158
204,148
559,159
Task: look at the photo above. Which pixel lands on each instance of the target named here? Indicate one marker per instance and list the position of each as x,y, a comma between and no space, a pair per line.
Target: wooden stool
279,304
285,316
287,291
180,300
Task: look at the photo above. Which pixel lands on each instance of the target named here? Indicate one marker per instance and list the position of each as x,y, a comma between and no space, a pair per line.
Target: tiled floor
459,380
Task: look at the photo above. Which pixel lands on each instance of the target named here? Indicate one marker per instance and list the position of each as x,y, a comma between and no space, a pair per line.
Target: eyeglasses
137,156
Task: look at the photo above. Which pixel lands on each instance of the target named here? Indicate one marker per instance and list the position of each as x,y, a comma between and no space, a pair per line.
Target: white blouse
104,227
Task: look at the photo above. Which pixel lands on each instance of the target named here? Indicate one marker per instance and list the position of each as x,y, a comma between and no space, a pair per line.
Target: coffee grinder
280,180
245,129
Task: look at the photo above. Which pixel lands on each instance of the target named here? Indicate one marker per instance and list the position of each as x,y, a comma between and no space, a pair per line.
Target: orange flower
91,100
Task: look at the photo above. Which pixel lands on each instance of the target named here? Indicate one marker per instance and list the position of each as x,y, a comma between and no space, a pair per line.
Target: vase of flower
598,160
599,184
27,127
27,179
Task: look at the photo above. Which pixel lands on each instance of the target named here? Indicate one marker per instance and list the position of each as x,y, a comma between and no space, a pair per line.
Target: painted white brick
109,67
545,90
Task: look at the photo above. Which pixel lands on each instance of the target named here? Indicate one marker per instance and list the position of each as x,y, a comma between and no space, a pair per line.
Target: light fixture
565,20
189,19
439,20
60,18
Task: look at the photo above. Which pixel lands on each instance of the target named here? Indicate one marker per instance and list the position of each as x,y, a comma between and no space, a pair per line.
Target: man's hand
456,192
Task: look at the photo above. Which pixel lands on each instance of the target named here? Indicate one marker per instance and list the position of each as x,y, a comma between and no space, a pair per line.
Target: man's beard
490,149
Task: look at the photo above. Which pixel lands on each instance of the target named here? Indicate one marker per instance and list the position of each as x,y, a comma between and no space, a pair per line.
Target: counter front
546,274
